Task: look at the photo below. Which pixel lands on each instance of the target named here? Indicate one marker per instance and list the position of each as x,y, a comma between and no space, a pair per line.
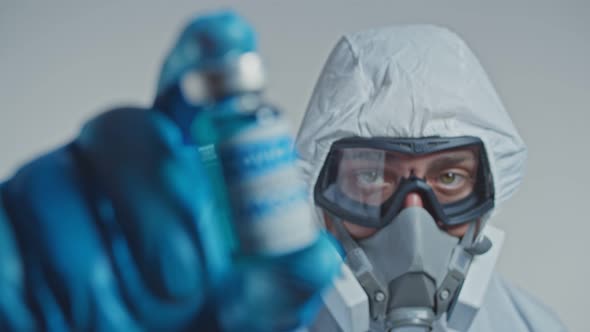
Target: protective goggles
366,180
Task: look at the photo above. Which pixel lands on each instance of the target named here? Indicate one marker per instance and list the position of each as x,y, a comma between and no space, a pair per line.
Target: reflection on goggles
372,176
365,181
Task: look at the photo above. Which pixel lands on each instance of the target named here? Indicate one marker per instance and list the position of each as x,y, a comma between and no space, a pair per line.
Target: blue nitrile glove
108,231
116,232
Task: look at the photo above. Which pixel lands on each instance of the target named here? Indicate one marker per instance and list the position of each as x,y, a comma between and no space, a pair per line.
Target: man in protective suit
407,150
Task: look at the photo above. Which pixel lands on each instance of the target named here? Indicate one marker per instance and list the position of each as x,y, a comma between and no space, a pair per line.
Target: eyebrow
446,161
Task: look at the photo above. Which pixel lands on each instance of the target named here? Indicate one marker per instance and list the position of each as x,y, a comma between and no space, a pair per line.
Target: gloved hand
116,231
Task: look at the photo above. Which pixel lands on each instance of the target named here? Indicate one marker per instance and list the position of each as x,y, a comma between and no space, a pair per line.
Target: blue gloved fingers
91,263
204,43
153,206
110,312
61,246
279,293
309,272
206,38
14,312
316,266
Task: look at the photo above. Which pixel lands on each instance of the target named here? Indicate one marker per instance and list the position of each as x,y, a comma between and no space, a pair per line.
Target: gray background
62,62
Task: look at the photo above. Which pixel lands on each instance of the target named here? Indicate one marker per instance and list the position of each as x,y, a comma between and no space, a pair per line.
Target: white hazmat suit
421,81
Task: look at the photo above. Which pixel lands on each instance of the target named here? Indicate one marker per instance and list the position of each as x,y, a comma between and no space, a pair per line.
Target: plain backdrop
63,62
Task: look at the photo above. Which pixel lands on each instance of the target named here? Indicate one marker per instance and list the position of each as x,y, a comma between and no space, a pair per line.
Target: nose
413,199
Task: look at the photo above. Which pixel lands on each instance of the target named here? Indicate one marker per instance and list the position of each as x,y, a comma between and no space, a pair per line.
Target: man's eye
451,179
368,177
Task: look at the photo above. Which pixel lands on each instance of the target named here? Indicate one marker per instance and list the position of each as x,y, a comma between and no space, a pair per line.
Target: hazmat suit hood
409,81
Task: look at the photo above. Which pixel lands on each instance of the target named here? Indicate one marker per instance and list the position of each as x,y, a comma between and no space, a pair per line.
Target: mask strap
474,243
362,268
458,267
469,238
347,241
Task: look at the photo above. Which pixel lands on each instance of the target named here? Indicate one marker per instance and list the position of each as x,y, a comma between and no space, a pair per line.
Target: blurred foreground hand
116,231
